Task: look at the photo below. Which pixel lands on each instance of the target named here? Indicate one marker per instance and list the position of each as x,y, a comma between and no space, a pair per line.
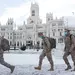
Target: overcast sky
19,10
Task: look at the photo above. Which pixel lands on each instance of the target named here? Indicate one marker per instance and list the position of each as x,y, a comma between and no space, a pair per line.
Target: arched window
60,34
17,43
33,12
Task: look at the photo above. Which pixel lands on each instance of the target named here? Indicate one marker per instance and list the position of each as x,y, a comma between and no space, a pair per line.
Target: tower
34,10
34,15
49,17
10,21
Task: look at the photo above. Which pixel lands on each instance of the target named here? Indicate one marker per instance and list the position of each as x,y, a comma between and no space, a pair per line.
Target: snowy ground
29,70
26,61
25,64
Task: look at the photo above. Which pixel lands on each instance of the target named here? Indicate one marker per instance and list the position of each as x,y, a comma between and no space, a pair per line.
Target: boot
73,69
12,69
51,69
69,67
38,68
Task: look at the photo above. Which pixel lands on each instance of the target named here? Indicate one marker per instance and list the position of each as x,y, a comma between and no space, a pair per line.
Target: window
14,37
8,23
48,19
61,29
17,37
10,37
54,30
32,21
40,22
17,43
10,33
60,40
58,29
20,37
60,34
20,29
14,33
29,28
10,43
53,33
39,27
11,23
54,24
3,29
33,12
60,24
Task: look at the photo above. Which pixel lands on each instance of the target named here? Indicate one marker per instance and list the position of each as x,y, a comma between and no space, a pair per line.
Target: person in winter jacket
69,48
3,46
46,52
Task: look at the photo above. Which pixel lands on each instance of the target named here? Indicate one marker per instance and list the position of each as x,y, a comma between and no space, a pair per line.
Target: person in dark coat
3,47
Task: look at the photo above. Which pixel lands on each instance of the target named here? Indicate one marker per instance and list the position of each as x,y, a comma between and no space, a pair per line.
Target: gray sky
19,10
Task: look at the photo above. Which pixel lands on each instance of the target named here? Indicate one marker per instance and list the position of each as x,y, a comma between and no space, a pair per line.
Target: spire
10,21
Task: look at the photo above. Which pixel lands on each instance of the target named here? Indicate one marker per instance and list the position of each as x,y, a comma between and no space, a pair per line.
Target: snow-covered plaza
25,61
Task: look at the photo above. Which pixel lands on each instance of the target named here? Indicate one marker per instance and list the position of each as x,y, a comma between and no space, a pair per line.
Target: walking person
69,49
72,49
3,46
46,52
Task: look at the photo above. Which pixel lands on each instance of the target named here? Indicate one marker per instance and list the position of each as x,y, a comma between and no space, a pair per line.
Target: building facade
28,33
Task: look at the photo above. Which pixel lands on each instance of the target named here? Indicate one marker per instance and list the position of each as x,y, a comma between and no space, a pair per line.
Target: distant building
7,30
55,27
28,33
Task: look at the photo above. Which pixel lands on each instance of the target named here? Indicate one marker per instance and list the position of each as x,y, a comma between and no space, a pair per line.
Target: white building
28,33
55,27
7,30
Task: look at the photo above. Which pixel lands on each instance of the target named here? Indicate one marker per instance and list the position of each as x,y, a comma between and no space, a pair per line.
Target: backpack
53,42
5,44
71,38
